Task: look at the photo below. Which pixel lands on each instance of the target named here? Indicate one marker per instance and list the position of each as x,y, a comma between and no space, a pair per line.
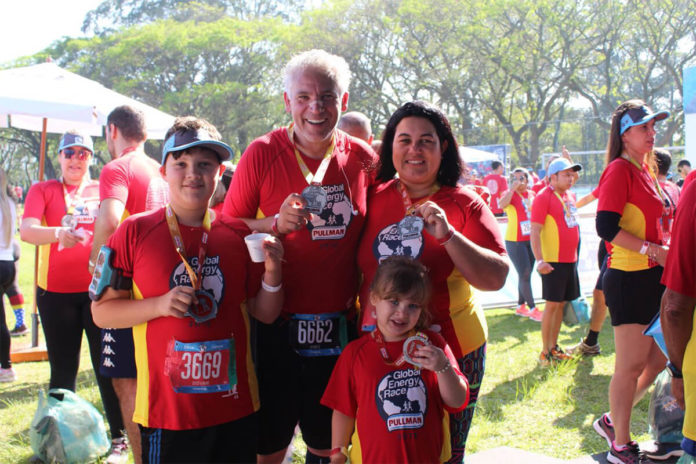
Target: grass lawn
522,405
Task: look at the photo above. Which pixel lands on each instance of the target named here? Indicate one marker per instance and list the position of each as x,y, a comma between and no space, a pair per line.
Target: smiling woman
461,246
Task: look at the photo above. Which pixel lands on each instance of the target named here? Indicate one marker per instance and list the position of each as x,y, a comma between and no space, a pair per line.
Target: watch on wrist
674,371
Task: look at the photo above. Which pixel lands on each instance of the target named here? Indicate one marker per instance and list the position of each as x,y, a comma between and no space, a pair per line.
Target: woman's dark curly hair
450,166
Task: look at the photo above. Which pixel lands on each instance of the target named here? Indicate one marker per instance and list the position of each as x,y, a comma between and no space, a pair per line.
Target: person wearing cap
307,183
128,184
59,217
630,210
186,284
555,237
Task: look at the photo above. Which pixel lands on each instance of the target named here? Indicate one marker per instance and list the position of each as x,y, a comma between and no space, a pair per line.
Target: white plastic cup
254,243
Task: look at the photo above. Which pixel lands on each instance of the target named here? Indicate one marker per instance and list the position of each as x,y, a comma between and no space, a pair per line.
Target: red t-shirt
519,212
689,177
319,273
167,374
560,234
453,304
63,271
626,190
398,411
134,179
497,185
536,188
680,268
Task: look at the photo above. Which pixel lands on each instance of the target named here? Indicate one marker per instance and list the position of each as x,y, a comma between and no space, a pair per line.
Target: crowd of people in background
204,354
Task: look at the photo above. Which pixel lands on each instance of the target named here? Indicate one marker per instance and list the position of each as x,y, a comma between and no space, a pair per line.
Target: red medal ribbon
409,206
181,249
379,338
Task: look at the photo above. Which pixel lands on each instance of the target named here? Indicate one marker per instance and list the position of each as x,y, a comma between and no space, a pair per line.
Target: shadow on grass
28,391
506,323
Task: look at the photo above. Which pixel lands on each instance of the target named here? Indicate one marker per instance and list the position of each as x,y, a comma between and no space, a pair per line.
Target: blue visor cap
183,139
561,164
639,116
75,140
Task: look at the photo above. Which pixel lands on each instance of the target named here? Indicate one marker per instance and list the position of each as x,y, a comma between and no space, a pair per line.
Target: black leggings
63,317
522,258
7,274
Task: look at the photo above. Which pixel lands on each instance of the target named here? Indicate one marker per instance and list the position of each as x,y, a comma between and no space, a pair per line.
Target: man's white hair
334,66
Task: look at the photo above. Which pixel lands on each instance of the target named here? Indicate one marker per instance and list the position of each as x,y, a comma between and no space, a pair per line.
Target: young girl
392,385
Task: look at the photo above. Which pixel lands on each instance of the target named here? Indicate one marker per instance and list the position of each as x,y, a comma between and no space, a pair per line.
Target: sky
29,26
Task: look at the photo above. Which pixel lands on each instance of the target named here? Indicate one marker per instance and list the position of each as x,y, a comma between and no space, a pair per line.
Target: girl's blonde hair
7,225
400,276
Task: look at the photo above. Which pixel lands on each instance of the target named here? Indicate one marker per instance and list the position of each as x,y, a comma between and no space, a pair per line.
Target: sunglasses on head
82,154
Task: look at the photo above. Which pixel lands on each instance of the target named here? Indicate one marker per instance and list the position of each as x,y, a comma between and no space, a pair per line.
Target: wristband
450,235
539,261
447,367
339,450
274,225
644,248
92,263
270,288
674,371
56,232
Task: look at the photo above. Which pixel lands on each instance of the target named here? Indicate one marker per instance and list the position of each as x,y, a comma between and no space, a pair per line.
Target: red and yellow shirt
560,234
519,213
631,192
178,387
64,270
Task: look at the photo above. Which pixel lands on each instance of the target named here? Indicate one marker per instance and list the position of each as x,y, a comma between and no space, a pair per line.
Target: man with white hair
306,183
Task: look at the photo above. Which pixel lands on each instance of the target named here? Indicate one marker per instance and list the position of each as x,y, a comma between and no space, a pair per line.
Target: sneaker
19,330
584,349
604,428
663,451
545,359
629,455
118,454
7,375
558,354
522,310
536,315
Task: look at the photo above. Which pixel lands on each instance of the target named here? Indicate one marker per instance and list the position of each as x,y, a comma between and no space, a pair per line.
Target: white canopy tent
472,155
30,94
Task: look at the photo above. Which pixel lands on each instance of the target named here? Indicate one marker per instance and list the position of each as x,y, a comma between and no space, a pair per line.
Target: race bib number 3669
201,367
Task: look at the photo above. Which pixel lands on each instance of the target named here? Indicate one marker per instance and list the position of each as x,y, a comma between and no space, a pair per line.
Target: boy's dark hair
401,276
495,165
191,123
130,121
683,163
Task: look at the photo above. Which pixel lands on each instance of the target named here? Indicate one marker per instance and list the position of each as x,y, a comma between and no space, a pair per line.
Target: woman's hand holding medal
435,219
67,238
176,302
292,215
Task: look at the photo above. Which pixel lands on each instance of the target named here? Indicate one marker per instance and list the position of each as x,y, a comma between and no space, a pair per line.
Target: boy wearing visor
182,278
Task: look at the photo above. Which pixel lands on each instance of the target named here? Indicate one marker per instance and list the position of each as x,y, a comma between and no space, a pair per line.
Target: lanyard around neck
318,176
563,203
70,201
656,183
379,339
409,206
181,249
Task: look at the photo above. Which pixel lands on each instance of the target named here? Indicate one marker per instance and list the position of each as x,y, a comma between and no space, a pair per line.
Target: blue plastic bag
67,429
654,330
576,312
665,417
